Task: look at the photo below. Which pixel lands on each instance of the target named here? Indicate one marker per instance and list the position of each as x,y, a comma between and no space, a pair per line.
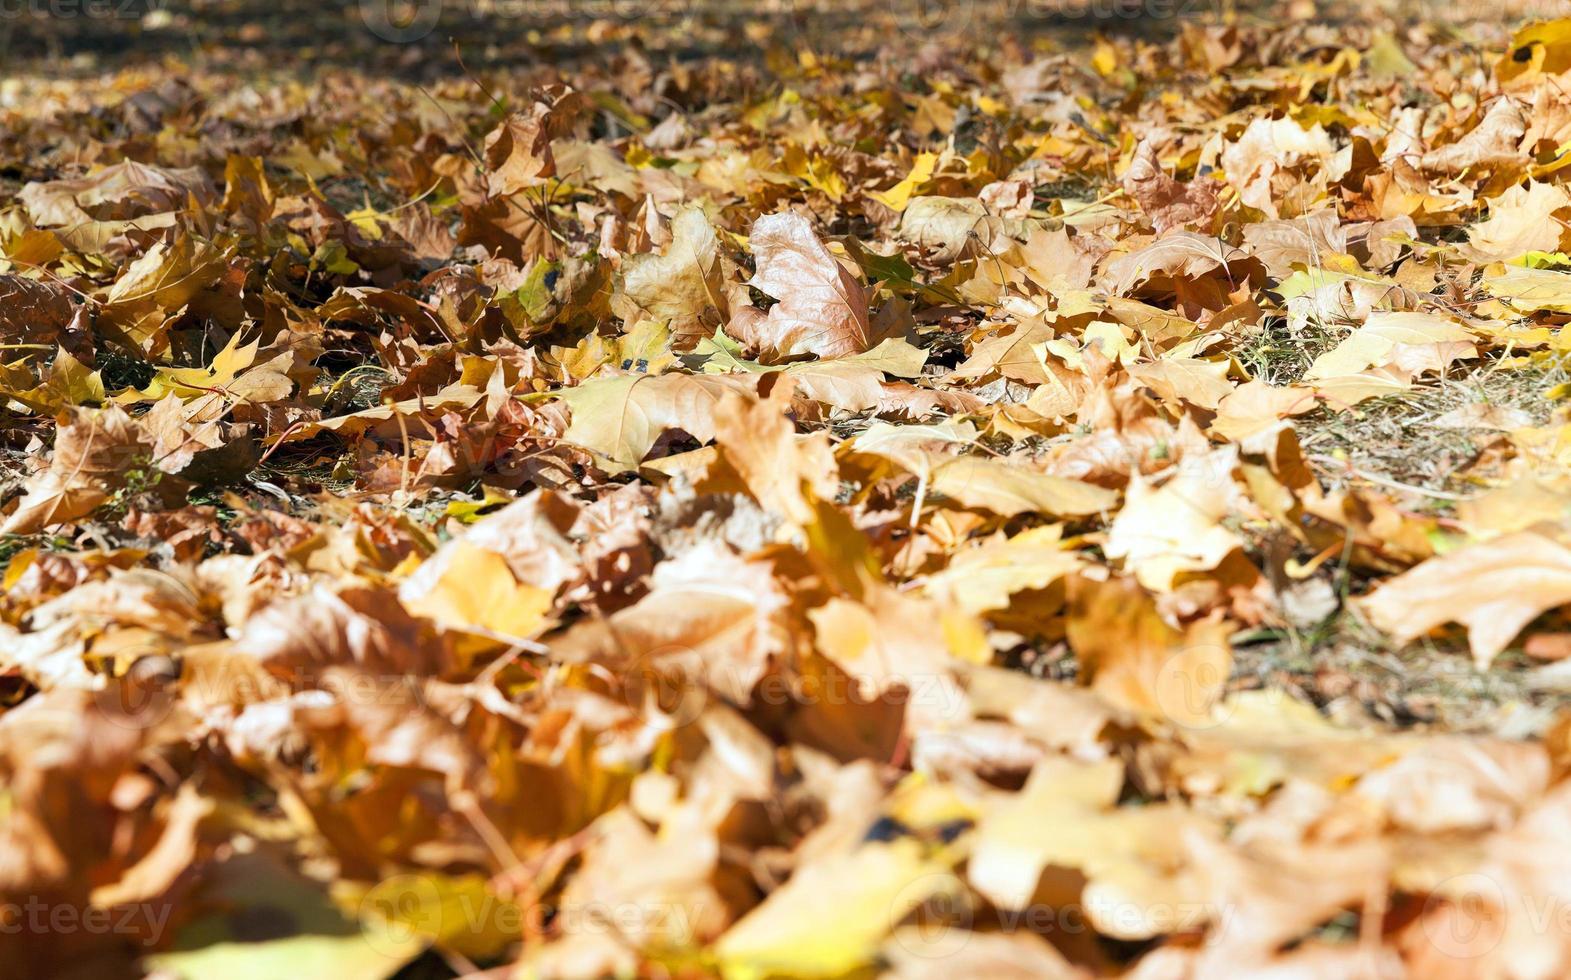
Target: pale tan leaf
1008,489
822,309
1494,588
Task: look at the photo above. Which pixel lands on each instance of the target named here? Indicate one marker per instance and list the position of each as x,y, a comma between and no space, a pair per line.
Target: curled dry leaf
710,618
89,212
947,227
1259,161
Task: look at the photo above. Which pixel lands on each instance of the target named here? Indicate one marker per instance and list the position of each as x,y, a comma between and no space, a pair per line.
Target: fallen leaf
1494,588
822,309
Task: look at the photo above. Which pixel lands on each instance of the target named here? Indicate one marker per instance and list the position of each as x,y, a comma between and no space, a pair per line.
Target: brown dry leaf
159,283
1011,355
1201,383
36,311
518,152
305,635
888,641
1062,841
1259,161
1058,263
178,434
1070,719
1139,662
834,913
1487,914
469,569
93,454
710,617
246,189
466,587
1256,408
1393,339
71,763
1278,895
947,227
1177,256
532,535
918,952
88,212
397,724
1169,203
665,877
1007,198
856,384
1008,489
985,578
786,473
1446,785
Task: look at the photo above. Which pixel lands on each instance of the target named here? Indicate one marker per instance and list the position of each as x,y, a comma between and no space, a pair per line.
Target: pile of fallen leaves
787,513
